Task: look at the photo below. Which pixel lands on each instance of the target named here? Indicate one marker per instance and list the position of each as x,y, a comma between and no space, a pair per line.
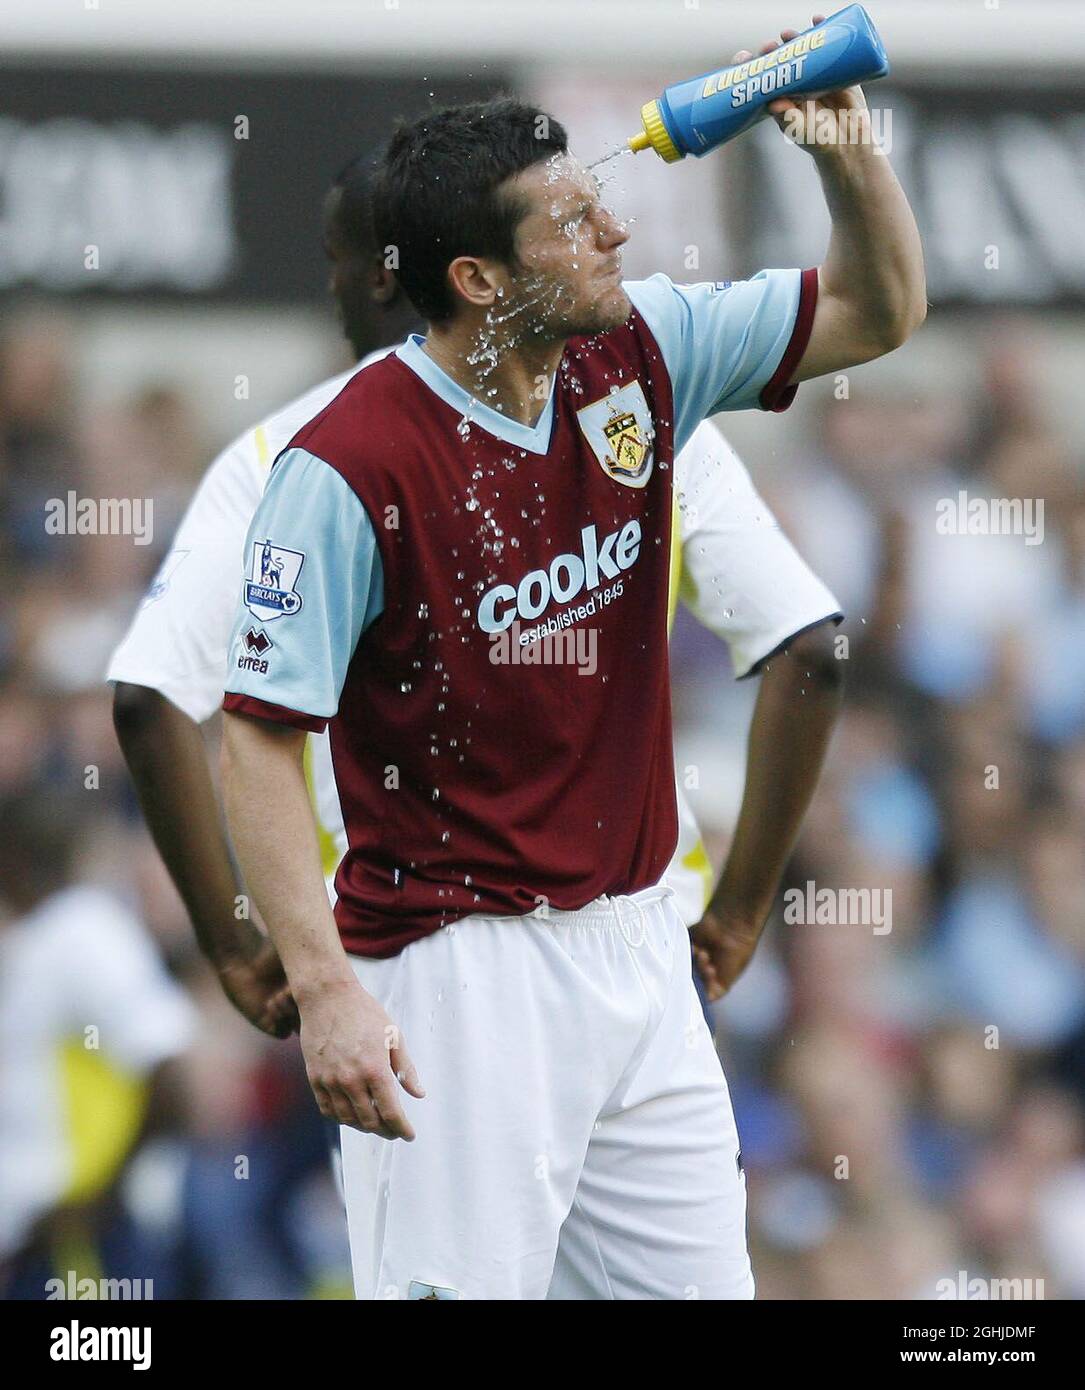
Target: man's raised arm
872,289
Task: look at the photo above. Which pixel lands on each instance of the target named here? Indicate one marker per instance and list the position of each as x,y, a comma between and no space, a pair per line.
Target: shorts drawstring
633,938
606,909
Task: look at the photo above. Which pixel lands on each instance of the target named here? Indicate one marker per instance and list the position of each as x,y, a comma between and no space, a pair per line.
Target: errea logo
569,574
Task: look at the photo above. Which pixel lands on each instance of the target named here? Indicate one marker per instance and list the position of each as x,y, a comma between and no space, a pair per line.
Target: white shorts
576,1139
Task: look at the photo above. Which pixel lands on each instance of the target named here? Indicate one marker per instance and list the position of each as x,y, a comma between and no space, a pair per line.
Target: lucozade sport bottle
697,115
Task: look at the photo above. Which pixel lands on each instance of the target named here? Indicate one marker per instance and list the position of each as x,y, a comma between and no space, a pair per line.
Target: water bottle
696,116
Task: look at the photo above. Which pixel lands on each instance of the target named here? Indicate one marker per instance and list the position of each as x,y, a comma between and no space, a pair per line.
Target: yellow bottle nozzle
655,135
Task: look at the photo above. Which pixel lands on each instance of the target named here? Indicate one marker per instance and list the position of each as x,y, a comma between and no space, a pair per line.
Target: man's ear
383,285
472,280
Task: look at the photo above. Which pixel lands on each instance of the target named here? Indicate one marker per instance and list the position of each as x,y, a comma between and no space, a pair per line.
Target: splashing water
610,154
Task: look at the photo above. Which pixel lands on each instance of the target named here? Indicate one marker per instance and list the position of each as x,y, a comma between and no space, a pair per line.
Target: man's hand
872,292
354,1056
722,947
799,119
254,982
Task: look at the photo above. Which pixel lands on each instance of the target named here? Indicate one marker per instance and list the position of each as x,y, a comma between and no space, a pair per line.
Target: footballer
509,903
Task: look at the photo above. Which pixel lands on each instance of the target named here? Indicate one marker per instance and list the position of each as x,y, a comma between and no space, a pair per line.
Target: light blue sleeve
721,341
313,582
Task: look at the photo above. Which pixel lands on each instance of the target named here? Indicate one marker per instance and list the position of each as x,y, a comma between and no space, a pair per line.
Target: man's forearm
167,757
356,1060
274,832
874,263
796,709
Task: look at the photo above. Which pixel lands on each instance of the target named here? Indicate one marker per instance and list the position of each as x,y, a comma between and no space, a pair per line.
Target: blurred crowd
191,1154
911,1102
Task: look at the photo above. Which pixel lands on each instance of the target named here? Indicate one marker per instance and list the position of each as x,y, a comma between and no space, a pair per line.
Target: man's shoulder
254,451
356,421
243,466
651,297
279,430
672,304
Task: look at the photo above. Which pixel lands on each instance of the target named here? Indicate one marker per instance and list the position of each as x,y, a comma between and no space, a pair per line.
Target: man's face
568,281
357,281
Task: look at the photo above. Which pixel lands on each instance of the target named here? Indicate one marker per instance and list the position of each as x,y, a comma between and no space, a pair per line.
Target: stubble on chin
602,317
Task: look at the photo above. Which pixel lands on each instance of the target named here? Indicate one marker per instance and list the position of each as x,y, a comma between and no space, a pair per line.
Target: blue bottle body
705,111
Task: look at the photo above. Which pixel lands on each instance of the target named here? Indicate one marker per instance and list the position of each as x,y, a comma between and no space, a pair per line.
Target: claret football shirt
477,608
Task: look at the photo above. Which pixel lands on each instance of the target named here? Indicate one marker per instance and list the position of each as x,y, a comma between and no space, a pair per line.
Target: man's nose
613,233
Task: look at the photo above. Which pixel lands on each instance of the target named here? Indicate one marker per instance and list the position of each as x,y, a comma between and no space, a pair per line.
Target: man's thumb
407,1076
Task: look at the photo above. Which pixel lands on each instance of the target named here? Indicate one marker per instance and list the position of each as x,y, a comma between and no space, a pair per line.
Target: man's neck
516,384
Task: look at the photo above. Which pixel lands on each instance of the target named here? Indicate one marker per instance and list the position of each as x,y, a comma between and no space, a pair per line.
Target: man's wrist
847,161
234,946
321,985
738,917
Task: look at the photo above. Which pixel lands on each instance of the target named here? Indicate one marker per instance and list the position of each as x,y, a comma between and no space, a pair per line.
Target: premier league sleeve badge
271,589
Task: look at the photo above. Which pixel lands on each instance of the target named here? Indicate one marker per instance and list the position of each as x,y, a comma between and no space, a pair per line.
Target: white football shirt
740,577
178,641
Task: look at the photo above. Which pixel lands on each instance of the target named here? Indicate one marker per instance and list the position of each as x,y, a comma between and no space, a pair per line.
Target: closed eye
576,217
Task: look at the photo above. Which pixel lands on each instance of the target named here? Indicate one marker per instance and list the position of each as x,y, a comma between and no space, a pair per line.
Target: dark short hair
353,209
437,191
